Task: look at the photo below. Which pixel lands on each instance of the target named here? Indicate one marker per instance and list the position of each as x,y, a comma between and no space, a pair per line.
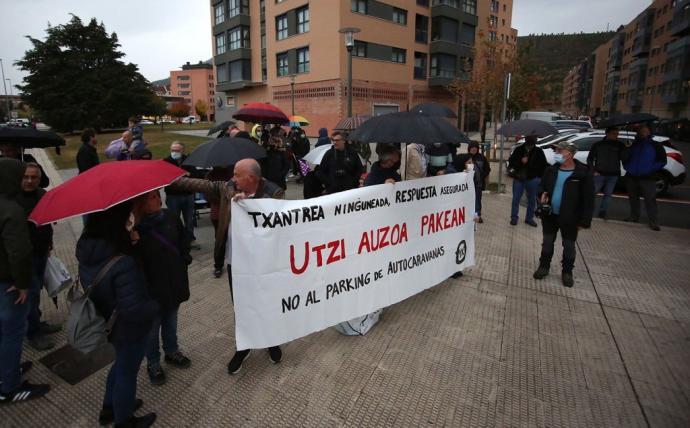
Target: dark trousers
38,270
12,331
645,187
219,250
550,227
121,385
184,205
165,327
478,199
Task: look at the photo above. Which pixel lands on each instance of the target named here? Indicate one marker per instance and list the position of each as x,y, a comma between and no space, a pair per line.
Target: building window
220,44
451,3
443,65
282,62
423,3
492,36
238,7
220,13
303,60
183,85
360,49
359,6
302,20
493,21
240,70
281,27
184,93
421,28
494,6
419,65
443,28
239,38
183,77
469,6
400,16
398,55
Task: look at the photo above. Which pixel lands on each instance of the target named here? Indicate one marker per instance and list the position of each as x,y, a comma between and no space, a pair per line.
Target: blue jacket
123,288
323,138
379,175
644,158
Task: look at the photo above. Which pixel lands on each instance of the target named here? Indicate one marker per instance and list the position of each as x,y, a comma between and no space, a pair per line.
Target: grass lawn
158,143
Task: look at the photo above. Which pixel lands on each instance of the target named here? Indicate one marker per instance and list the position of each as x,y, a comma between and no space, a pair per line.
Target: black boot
139,421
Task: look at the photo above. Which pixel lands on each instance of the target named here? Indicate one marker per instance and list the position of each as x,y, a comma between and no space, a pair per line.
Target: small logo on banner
461,252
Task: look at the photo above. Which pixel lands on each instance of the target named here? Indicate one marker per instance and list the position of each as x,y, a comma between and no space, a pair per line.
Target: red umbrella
102,187
261,113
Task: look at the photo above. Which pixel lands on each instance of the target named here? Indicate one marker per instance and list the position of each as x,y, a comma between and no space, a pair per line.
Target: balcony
678,60
446,8
634,99
451,48
680,24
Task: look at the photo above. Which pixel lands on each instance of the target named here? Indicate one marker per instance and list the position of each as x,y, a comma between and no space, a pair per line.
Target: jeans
550,226
121,385
183,204
166,326
38,270
605,184
12,330
519,187
645,187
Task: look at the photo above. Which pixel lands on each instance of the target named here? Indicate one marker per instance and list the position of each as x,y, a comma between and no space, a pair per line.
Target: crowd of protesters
139,252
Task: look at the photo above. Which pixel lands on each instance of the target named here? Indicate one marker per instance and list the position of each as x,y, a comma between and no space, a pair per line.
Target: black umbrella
527,127
350,123
224,152
29,138
434,109
627,119
221,127
408,127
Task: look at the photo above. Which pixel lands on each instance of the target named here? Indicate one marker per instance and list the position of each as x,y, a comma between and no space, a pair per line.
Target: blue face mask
558,158
176,155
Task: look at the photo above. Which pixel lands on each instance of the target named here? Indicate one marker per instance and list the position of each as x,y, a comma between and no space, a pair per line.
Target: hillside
555,54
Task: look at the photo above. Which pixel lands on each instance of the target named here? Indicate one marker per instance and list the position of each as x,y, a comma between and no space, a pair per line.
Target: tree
76,79
179,109
201,108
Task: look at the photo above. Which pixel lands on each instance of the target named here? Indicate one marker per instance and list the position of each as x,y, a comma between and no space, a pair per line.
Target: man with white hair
181,202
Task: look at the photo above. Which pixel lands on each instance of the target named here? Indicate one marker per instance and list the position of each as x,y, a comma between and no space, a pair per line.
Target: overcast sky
161,35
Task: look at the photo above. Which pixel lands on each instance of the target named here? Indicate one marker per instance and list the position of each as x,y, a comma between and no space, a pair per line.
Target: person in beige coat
415,162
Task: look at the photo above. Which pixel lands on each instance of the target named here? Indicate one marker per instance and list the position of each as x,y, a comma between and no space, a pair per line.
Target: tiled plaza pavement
494,348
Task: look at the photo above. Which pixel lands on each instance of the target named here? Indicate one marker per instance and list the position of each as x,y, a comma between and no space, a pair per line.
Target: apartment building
193,83
645,67
291,53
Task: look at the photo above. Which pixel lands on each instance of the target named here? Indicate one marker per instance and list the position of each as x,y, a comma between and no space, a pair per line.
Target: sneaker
49,328
654,226
541,273
235,364
177,359
25,392
631,220
139,421
567,278
156,376
275,354
23,368
107,416
513,222
217,273
531,223
41,343
602,215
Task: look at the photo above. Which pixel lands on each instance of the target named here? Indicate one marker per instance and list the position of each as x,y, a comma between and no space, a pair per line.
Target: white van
544,116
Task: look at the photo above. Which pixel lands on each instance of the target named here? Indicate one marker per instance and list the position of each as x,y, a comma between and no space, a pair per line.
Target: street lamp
292,92
349,33
7,99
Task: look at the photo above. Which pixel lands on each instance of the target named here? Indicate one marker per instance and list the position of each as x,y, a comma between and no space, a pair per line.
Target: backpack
86,328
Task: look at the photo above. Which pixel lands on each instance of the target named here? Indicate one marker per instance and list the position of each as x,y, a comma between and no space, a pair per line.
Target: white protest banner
305,265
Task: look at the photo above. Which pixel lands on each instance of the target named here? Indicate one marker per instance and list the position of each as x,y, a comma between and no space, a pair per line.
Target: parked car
545,116
166,121
582,124
674,171
678,129
189,119
145,122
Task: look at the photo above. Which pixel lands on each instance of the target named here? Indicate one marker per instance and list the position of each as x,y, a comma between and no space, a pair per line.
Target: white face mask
176,155
130,222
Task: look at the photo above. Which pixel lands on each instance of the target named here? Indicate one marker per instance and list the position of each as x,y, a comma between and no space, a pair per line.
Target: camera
543,210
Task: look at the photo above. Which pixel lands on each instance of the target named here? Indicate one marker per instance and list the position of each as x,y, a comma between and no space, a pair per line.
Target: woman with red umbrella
104,253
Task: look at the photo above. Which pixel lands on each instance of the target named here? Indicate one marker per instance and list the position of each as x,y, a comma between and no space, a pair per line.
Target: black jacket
275,166
481,166
163,254
15,246
123,288
340,170
87,157
41,236
300,144
577,202
379,175
535,166
605,157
